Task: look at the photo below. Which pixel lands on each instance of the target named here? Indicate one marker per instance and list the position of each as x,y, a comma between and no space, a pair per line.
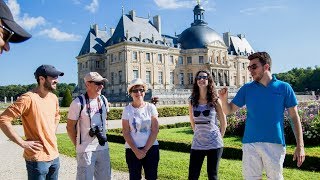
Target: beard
47,85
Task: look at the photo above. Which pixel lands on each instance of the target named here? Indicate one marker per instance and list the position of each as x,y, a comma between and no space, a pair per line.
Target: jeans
43,170
149,163
196,160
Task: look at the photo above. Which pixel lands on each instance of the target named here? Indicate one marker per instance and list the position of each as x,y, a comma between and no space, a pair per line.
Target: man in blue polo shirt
266,98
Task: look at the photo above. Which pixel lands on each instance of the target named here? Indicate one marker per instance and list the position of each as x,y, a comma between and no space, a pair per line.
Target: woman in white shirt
140,129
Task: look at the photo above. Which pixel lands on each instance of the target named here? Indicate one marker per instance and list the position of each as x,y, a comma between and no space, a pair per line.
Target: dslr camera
98,131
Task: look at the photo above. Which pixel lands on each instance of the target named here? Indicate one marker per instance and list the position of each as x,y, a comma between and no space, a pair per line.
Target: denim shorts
42,170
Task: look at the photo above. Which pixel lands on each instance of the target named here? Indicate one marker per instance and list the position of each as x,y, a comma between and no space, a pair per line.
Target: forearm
151,139
8,130
297,129
73,136
127,137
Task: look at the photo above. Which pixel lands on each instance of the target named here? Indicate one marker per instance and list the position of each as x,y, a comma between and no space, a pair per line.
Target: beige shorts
259,156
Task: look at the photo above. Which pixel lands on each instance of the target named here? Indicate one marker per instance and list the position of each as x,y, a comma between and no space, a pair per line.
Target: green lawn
174,165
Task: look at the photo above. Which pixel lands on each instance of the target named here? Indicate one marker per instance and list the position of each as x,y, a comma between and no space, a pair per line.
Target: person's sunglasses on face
252,67
7,34
97,83
202,77
137,90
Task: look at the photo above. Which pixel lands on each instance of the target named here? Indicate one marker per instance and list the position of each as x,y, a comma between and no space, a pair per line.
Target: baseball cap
47,70
20,34
95,77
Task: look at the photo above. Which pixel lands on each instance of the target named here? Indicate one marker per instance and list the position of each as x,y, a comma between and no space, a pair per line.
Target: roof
139,29
95,41
198,36
240,46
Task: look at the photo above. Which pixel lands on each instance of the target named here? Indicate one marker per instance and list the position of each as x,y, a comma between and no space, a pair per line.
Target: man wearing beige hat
86,128
10,31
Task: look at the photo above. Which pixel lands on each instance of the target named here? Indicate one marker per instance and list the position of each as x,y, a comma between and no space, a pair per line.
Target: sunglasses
205,113
202,77
97,83
137,90
7,36
252,67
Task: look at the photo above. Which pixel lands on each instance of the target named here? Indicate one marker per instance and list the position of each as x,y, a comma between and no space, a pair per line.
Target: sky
287,29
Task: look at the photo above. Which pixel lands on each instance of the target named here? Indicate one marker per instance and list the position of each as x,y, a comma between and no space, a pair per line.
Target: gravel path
12,164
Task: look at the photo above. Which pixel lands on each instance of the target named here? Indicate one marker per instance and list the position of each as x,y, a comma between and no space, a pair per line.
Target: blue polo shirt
265,110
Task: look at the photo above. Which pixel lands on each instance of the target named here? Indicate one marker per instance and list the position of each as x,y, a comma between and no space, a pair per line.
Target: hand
32,145
299,155
140,154
223,93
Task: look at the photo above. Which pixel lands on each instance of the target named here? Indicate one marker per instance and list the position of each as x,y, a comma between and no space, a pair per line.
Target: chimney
157,23
111,31
132,13
95,28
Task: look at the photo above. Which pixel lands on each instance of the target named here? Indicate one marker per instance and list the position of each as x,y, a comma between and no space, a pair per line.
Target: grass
174,165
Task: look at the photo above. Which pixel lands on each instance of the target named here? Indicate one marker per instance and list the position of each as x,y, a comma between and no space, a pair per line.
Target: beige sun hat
95,77
136,82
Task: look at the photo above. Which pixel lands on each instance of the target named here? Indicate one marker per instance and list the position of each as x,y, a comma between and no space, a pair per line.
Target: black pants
196,161
149,163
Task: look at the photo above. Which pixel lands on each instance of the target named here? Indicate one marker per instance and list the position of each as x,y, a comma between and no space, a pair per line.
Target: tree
67,98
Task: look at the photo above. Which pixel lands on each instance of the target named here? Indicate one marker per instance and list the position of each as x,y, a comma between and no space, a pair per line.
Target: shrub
67,98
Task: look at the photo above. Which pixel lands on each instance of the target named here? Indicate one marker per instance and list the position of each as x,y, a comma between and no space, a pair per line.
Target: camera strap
89,110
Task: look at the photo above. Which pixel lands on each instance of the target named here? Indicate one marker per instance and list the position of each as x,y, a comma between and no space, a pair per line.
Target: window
235,80
201,60
120,56
120,76
148,59
171,60
190,78
171,78
189,60
134,55
80,66
135,74
160,77
112,78
243,66
87,64
160,58
180,60
235,65
224,60
97,64
181,79
103,64
111,57
148,77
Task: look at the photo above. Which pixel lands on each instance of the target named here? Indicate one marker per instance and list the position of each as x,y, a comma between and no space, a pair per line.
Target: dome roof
198,37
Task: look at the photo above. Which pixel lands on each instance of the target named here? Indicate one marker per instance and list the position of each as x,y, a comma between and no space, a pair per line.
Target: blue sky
287,29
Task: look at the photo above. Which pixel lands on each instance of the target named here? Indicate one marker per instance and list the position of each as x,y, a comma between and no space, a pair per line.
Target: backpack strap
81,108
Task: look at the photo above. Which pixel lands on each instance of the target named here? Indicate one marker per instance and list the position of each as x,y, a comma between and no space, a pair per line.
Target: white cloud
93,6
58,35
175,4
25,21
262,9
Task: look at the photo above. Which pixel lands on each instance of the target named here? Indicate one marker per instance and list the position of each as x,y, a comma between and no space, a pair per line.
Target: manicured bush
67,98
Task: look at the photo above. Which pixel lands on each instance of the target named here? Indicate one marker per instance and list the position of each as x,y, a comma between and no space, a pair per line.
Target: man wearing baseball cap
39,113
87,129
10,31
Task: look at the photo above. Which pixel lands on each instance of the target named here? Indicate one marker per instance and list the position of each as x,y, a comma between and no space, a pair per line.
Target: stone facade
167,68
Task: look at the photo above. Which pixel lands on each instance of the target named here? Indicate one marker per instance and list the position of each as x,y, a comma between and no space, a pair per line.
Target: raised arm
228,108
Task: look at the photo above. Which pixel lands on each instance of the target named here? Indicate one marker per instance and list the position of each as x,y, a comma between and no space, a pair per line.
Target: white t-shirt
140,123
88,143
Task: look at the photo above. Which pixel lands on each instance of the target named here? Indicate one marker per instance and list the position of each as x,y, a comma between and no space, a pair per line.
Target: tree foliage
17,90
302,79
67,98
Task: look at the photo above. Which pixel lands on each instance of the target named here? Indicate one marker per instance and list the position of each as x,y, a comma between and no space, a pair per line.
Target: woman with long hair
140,129
208,123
